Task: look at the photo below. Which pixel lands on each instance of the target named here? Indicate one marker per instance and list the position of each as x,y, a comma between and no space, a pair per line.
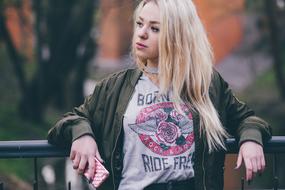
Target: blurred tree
273,18
275,10
16,58
64,46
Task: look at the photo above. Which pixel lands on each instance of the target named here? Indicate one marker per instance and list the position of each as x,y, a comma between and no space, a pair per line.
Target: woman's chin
142,56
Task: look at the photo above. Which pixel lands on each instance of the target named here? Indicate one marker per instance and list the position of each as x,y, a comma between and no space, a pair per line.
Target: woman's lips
140,46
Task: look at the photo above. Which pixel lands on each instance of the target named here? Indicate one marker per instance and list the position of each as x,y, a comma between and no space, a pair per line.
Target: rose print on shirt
163,130
167,132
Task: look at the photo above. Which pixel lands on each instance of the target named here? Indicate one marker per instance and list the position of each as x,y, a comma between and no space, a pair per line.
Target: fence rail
30,149
42,149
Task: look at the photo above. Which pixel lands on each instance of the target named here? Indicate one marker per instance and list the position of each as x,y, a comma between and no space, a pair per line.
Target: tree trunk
68,24
33,102
276,46
89,50
13,54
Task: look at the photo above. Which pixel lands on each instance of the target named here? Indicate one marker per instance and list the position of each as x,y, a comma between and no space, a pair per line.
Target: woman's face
146,33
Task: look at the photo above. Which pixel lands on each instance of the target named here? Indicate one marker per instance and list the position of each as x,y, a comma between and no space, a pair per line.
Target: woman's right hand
82,152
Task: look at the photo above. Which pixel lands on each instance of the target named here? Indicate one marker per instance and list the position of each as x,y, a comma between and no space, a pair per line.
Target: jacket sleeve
79,122
241,121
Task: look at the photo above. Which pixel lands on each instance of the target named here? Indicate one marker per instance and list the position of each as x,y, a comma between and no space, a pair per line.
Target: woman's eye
155,29
139,24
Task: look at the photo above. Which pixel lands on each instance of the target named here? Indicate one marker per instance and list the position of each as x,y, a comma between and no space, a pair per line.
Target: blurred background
53,52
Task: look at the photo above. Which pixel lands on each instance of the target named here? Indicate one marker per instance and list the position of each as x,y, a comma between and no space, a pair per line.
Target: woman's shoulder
122,73
217,80
216,76
120,76
219,87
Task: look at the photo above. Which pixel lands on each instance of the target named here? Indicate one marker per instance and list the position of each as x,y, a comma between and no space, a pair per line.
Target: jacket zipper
113,152
120,131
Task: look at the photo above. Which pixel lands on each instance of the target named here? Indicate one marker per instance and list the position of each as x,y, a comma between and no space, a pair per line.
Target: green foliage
12,126
264,98
19,167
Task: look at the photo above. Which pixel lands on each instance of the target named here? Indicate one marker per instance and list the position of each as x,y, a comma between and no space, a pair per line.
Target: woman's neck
152,63
151,71
151,67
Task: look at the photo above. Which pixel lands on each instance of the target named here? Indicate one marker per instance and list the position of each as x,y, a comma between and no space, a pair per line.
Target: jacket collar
134,76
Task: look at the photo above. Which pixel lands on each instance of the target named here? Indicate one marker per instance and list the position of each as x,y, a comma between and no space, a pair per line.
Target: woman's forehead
150,12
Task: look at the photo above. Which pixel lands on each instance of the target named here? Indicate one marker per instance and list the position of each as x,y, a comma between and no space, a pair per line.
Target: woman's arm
76,130
250,130
240,120
80,121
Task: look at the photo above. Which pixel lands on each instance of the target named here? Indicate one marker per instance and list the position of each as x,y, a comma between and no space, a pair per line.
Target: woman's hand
252,155
82,152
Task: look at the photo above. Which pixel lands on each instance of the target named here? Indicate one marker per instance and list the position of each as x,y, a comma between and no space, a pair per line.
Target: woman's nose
143,33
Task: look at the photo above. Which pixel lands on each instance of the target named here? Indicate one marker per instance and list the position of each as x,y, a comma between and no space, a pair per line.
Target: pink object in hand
101,174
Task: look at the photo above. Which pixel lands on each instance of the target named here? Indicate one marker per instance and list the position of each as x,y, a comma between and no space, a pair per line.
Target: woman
163,125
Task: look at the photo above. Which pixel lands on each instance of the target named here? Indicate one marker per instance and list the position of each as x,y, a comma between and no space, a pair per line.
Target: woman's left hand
252,155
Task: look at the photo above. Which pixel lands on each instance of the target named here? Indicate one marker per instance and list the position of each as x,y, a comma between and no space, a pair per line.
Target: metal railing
42,149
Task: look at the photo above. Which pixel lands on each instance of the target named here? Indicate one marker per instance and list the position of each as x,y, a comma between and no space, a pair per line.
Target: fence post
242,183
275,180
36,174
69,185
276,183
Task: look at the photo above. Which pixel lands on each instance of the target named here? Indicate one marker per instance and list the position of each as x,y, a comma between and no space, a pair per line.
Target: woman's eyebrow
152,22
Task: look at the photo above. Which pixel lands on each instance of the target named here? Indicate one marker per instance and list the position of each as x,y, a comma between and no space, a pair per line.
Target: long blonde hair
186,64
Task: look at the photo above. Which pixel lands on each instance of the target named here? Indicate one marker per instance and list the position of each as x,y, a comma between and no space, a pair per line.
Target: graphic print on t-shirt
158,140
163,130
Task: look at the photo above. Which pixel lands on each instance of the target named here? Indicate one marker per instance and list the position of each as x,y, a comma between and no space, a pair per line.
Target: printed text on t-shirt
153,164
151,98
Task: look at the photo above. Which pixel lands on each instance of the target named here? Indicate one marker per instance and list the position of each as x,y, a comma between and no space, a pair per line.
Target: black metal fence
42,149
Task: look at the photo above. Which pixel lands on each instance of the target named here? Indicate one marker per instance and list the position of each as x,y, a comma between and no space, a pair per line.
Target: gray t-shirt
159,142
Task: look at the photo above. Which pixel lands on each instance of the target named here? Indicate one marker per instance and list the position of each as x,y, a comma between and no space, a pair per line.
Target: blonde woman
163,125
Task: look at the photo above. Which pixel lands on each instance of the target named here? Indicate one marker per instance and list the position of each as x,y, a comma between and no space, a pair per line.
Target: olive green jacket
101,116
